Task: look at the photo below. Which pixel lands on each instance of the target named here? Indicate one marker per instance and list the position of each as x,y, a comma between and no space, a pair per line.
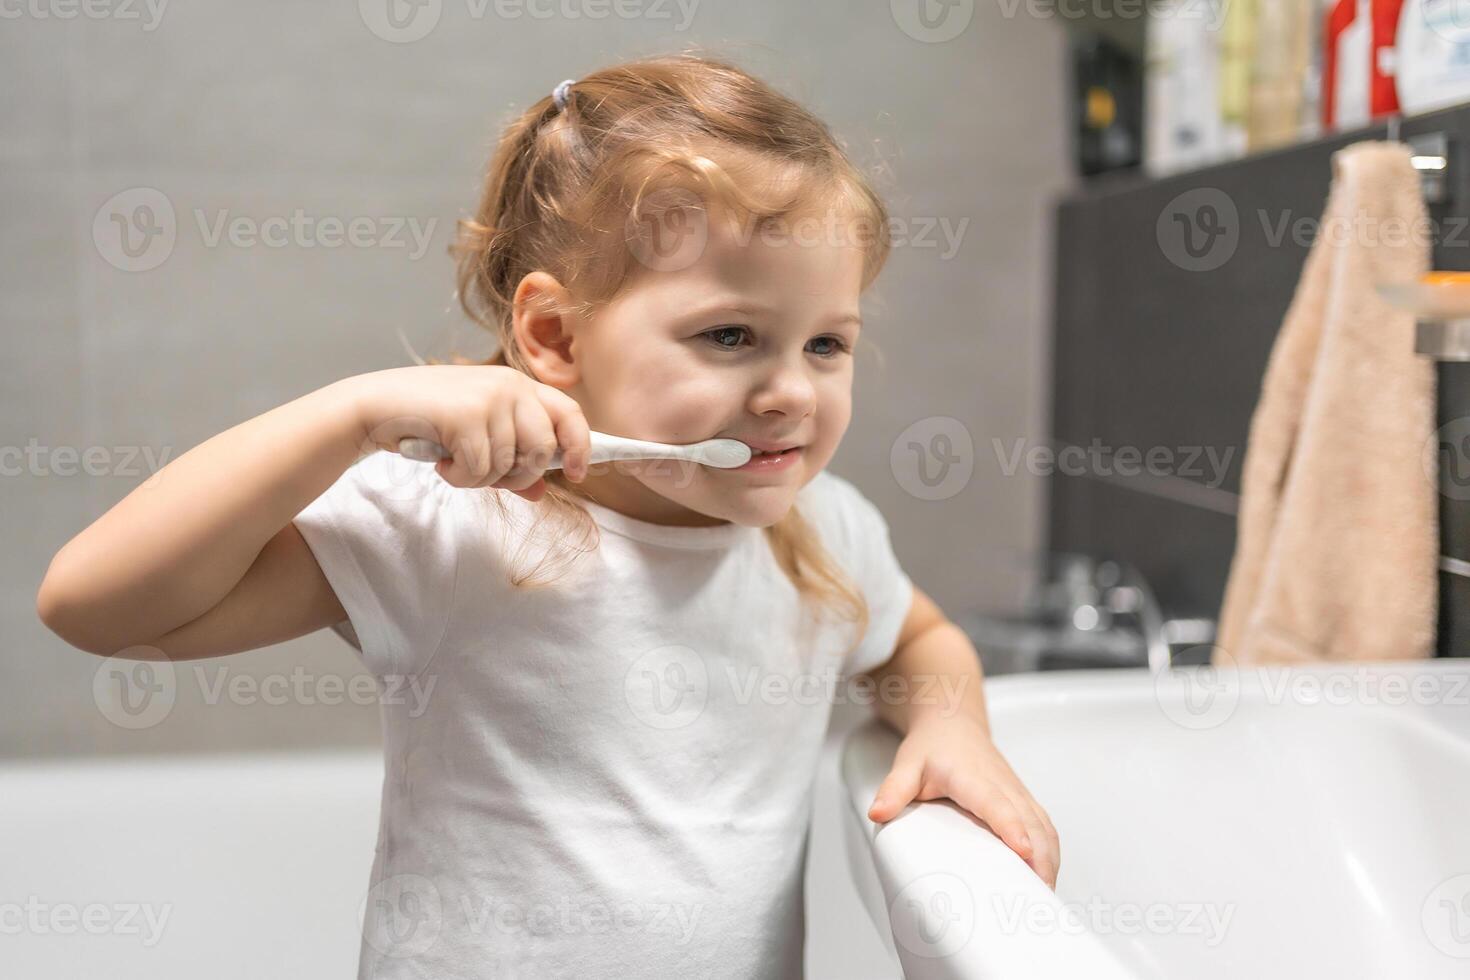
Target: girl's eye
728,338
722,336
834,346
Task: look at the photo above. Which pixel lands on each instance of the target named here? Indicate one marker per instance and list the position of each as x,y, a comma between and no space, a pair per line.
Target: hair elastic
559,94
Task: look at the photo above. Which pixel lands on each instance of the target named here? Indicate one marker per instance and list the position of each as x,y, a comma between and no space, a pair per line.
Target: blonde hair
565,185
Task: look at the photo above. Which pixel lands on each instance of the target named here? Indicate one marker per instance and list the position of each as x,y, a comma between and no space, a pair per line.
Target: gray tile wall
257,110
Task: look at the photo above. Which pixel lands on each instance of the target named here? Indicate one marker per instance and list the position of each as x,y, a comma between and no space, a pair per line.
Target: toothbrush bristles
726,453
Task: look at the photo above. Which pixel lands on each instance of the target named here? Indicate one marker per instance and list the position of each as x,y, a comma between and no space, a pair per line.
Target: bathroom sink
1265,823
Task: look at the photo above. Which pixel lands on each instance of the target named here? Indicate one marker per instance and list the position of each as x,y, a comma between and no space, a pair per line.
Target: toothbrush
719,453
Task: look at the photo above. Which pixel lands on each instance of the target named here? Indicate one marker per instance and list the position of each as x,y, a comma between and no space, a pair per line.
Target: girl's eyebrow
748,308
728,305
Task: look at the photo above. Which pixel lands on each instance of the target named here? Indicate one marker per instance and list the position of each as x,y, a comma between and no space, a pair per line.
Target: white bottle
1433,62
1183,127
1352,87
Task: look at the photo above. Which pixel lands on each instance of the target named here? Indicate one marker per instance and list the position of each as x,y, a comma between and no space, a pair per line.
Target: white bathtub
198,866
249,866
1262,824
1330,835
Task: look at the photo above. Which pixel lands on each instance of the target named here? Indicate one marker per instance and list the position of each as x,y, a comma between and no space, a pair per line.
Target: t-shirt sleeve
384,537
870,560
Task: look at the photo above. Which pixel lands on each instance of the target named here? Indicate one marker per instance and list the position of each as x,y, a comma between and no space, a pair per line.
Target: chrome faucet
1095,594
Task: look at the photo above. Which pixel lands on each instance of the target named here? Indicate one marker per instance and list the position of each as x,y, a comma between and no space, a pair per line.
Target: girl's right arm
202,559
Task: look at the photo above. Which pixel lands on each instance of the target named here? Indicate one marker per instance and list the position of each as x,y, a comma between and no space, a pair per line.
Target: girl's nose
787,389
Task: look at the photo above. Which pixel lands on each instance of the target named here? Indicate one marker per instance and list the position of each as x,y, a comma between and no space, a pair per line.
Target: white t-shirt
609,776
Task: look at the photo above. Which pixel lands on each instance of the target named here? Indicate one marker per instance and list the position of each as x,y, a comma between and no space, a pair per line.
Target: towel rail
1431,157
1443,340
1455,566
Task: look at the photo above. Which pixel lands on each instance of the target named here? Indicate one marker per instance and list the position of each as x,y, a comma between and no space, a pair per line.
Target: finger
896,791
535,442
573,434
1055,842
1043,858
469,461
1047,846
502,428
989,803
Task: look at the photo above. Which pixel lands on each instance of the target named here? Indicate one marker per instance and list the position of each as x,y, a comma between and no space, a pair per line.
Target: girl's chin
750,507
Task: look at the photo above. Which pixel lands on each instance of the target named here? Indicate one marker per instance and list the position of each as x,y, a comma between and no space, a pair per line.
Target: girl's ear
542,324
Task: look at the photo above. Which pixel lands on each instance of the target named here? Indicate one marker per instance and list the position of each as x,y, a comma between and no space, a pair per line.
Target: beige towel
1337,545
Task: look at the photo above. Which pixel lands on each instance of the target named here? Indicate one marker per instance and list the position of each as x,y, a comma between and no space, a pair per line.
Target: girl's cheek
693,407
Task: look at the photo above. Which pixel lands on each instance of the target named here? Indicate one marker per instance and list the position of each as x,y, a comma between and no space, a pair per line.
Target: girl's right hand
499,425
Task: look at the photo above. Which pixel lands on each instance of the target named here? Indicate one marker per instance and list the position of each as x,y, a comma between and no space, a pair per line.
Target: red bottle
1384,97
1358,62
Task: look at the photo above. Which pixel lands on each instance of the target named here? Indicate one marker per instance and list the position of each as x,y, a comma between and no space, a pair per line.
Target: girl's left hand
955,758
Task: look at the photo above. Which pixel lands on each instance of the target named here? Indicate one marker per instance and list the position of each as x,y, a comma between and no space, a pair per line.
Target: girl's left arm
931,692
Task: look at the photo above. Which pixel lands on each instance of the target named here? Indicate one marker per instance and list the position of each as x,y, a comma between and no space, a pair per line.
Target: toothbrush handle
429,451
604,448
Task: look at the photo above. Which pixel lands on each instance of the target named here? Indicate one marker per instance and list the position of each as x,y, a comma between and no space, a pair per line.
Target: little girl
622,673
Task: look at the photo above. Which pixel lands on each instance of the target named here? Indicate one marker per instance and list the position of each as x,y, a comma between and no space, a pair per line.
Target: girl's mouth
767,462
